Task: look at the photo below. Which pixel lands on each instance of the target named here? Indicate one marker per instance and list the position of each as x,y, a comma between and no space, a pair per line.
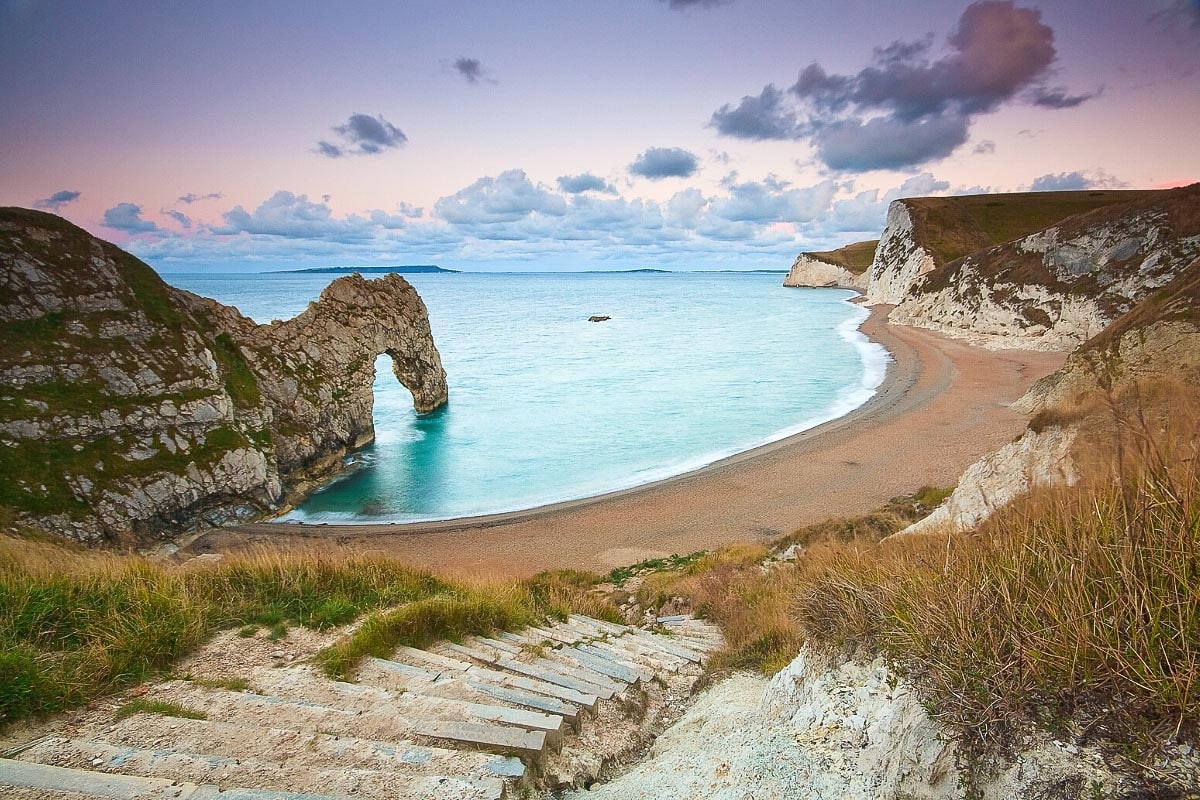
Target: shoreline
759,493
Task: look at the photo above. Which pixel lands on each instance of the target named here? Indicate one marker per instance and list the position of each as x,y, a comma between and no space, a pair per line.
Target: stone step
666,645
379,672
564,635
622,658
384,724
601,625
303,684
477,674
641,654
594,681
581,626
556,677
48,782
280,743
175,764
568,712
495,644
527,744
605,666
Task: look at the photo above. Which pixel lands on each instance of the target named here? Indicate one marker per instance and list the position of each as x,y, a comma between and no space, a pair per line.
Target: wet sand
942,405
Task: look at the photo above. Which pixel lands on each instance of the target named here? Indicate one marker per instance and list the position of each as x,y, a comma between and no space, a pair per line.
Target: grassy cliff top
856,257
953,227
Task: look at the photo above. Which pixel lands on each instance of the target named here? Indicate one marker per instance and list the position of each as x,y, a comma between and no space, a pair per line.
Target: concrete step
605,666
202,768
478,674
495,644
527,744
666,645
283,744
599,624
564,635
648,670
555,676
48,782
302,683
593,680
380,672
641,654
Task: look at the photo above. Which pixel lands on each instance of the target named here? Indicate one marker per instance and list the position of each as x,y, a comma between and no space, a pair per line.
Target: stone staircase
482,719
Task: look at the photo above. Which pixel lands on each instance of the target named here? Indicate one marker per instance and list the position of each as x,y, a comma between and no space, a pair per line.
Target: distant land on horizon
430,269
415,268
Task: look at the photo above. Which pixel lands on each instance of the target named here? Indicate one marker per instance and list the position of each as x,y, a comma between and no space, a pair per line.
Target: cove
546,406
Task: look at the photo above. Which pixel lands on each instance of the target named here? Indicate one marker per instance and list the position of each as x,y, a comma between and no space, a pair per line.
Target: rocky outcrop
1159,337
1055,288
131,407
810,271
844,268
1038,458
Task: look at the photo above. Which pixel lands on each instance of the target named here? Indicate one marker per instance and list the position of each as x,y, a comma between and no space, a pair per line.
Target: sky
532,135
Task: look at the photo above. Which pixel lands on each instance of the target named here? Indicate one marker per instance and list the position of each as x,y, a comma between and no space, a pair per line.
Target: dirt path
942,406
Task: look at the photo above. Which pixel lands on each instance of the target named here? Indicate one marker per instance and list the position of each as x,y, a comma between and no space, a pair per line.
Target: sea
546,406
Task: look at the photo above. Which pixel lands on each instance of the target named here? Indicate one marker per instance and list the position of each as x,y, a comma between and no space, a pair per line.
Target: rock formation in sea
128,407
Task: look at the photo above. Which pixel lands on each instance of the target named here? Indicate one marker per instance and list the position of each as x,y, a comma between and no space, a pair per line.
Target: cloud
585,182
364,135
765,116
1058,97
127,217
294,216
183,219
1076,181
57,200
506,198
771,201
889,142
665,162
910,105
471,70
985,148
1179,16
188,199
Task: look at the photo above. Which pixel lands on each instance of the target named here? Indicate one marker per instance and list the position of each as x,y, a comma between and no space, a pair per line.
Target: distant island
415,268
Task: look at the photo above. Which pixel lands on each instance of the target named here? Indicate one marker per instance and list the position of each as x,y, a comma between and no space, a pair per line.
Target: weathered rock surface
128,406
1038,458
822,728
1052,289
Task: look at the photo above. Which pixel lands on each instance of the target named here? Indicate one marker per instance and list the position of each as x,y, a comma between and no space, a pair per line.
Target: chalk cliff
130,407
1047,288
842,268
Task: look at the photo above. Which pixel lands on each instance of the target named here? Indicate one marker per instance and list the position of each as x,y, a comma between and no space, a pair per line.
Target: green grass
141,706
76,624
953,227
239,378
855,257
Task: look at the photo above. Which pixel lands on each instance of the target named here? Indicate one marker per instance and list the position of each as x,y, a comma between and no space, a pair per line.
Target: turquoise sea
546,406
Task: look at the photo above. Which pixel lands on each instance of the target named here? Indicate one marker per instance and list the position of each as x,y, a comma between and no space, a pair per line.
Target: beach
942,405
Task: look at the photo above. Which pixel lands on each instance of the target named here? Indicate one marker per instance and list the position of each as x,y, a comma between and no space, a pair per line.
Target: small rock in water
598,318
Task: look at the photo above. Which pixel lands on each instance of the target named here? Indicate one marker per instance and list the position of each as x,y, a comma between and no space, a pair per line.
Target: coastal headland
942,405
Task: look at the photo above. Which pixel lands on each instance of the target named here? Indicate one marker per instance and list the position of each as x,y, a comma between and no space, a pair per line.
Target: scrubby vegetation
1076,608
76,624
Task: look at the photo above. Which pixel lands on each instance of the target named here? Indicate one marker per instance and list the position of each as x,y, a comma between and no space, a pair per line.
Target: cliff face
130,407
843,268
1050,289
